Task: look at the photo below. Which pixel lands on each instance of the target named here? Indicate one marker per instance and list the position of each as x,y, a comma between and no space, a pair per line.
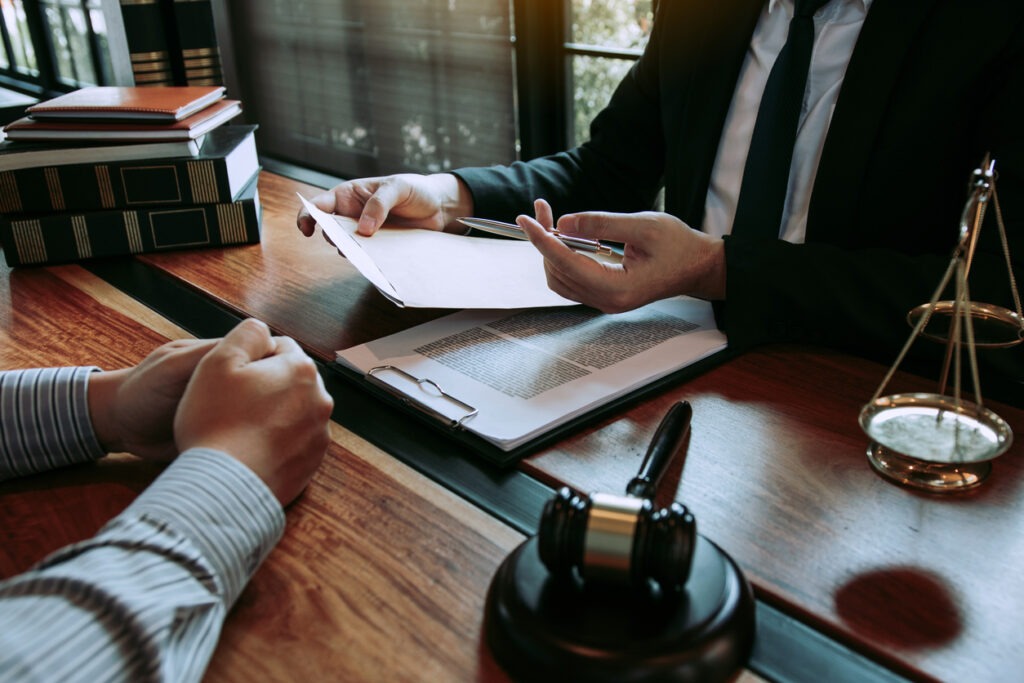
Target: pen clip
514,231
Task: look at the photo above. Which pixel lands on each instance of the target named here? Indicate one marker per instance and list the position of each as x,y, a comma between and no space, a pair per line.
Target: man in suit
903,101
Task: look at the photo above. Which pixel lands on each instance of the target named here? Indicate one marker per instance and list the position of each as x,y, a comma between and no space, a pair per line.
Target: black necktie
766,174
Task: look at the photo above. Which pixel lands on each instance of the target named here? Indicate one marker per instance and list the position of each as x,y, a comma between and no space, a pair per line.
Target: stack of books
108,171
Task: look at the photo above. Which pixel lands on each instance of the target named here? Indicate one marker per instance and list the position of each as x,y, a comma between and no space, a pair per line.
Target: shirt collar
772,4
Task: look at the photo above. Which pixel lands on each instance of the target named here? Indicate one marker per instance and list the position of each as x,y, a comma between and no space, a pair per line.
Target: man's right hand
433,202
260,399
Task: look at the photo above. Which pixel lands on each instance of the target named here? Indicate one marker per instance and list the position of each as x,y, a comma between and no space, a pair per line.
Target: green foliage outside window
619,25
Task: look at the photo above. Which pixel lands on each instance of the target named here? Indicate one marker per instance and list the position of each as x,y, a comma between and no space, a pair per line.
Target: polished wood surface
65,316
381,574
306,290
775,472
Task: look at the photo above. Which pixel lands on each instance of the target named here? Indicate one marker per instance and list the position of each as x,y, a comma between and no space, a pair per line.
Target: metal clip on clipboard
371,376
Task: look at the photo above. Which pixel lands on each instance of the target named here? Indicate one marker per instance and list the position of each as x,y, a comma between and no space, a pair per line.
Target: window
53,46
363,87
366,87
77,34
605,38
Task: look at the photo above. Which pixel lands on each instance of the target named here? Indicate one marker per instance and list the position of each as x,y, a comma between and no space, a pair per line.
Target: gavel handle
667,441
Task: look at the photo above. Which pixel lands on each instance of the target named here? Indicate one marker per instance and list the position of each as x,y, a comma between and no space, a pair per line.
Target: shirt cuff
45,413
221,506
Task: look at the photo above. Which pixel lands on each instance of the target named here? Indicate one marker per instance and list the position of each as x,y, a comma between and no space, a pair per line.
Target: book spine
92,187
76,236
197,38
155,58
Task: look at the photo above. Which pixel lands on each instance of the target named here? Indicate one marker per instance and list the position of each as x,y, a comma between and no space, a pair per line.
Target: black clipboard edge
506,458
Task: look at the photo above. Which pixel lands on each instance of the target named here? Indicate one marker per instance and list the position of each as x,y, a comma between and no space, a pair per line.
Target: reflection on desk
374,554
776,474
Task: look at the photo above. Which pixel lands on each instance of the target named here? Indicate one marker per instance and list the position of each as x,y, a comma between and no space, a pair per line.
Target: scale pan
931,427
994,326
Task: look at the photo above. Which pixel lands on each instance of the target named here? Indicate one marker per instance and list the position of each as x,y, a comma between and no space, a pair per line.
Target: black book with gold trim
154,59
226,162
74,236
197,38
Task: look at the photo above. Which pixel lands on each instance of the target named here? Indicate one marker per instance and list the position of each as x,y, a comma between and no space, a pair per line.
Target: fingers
569,274
405,199
556,254
275,420
325,201
542,210
305,223
284,346
546,242
249,341
133,409
379,205
188,352
302,370
290,367
612,227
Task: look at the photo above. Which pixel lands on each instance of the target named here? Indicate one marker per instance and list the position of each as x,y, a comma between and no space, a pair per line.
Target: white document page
430,269
527,371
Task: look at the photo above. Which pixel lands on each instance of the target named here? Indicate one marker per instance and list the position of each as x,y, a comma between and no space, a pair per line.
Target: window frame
544,73
47,83
542,54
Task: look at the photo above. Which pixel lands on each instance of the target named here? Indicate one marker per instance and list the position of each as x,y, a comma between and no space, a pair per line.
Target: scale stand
936,441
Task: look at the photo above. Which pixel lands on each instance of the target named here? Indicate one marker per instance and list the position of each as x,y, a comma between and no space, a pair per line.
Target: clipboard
512,381
455,428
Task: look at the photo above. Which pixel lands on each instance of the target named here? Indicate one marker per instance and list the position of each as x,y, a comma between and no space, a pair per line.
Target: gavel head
614,539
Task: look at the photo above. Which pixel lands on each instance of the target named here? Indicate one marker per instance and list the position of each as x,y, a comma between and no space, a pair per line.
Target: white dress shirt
836,27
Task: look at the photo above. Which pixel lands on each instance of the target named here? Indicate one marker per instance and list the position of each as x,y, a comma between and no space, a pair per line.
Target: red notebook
143,104
187,129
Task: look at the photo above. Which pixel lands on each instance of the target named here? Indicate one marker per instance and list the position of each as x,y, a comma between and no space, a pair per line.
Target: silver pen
514,231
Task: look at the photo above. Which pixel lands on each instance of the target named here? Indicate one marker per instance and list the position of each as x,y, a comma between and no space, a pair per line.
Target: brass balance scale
940,441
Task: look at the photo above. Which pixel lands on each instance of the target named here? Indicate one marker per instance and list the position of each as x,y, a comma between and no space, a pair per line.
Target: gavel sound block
612,590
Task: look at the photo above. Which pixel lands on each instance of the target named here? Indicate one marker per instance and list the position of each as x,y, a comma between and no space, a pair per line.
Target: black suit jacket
932,86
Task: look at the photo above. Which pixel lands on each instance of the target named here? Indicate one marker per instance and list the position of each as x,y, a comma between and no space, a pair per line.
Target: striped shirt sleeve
143,600
44,420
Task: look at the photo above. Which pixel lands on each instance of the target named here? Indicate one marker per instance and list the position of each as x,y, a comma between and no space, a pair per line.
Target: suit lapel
887,35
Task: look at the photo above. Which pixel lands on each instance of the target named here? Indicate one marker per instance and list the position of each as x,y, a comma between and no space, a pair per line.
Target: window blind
366,87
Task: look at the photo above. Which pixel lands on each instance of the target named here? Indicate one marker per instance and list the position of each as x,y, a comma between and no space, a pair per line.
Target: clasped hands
663,256
256,397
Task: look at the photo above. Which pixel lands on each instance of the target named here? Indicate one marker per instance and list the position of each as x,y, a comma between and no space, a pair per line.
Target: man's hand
132,410
433,202
260,399
663,258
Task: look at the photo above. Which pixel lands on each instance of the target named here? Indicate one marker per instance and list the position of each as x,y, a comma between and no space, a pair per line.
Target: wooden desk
373,554
776,474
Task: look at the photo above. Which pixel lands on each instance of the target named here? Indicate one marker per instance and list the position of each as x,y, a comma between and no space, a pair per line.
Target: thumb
600,225
249,341
389,193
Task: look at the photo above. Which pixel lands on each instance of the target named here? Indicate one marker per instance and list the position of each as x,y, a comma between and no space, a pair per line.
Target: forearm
605,174
619,169
145,598
45,420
